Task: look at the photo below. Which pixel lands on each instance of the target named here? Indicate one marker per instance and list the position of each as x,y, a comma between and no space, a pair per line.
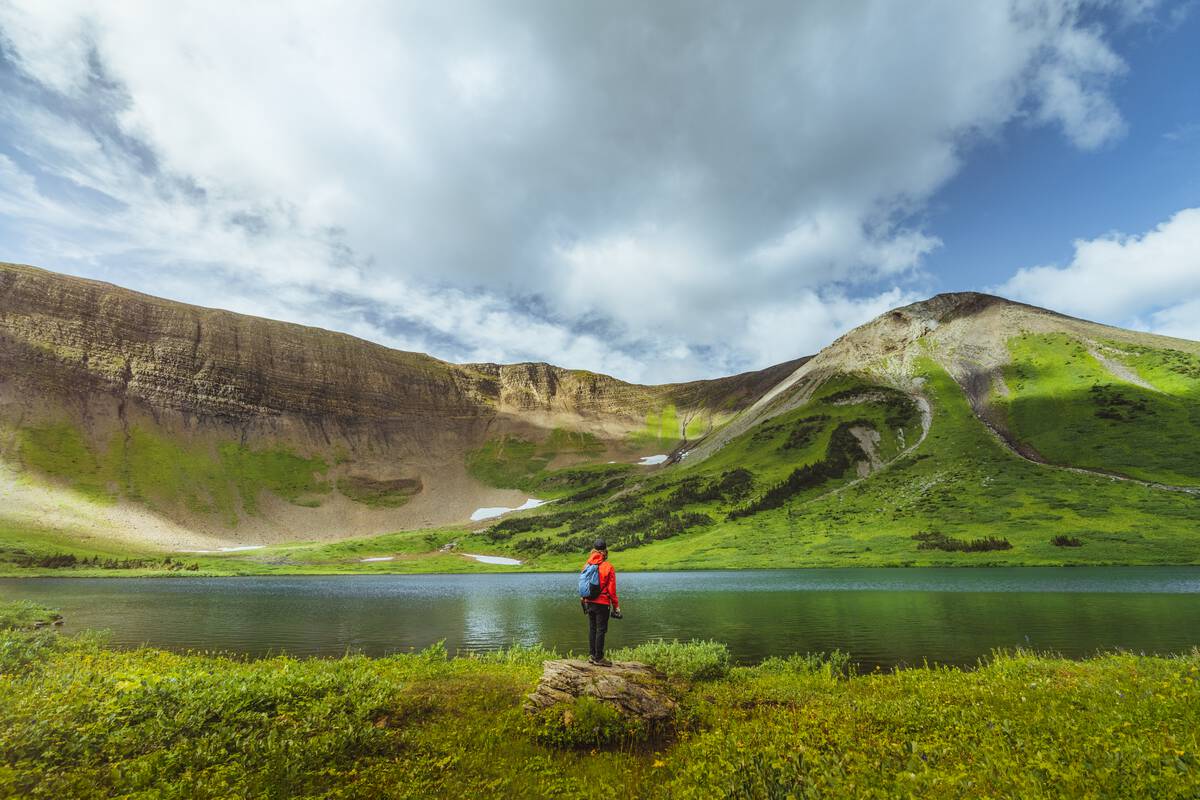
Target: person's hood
596,557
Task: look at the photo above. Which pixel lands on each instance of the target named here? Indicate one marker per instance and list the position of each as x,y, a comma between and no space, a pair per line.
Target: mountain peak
947,306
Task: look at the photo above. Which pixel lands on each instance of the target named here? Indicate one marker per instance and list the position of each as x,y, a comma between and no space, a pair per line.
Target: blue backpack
589,582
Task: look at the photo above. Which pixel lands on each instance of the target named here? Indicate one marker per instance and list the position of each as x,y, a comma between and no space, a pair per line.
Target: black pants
597,627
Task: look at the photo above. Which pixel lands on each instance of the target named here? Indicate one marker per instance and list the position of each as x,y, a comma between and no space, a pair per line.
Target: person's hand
616,613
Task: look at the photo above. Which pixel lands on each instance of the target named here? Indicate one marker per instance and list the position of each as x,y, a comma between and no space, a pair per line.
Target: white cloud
638,188
1149,281
1181,320
776,333
1071,87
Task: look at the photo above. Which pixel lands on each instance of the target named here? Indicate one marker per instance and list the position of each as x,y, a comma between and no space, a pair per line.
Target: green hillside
964,430
1072,409
959,497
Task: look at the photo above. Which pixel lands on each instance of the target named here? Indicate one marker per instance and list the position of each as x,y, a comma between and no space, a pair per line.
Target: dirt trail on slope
1118,369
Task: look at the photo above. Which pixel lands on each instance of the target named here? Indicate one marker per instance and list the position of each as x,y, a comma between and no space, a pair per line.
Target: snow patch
512,562
239,549
377,558
650,461
496,511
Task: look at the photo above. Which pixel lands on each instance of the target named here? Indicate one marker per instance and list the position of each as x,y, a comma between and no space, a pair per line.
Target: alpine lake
884,618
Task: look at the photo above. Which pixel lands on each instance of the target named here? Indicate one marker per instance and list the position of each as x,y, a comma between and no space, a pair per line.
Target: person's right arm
611,588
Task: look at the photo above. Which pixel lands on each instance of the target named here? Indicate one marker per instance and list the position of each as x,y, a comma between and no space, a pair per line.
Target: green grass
80,720
513,462
1073,411
507,462
171,475
562,440
25,615
275,470
20,540
411,551
60,450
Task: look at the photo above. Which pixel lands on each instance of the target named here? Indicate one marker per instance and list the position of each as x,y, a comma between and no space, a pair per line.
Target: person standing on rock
598,595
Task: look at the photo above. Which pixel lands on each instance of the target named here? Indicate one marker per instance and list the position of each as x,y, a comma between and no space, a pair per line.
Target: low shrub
836,665
25,614
586,723
932,540
72,561
78,719
696,660
1063,540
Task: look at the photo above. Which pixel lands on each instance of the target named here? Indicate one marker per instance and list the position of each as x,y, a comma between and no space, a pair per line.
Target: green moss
379,494
61,451
507,462
661,429
562,441
167,475
696,427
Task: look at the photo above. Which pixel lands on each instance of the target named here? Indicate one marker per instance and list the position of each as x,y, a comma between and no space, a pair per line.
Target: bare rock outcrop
634,690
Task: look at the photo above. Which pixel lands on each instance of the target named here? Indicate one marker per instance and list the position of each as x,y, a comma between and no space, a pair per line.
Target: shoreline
556,569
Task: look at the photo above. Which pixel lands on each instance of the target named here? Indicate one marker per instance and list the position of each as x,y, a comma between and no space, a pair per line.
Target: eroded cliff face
117,364
208,363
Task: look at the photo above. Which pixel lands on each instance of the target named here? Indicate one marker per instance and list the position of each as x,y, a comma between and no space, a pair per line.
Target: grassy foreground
80,720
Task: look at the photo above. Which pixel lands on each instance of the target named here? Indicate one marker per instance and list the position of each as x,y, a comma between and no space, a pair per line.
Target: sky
658,191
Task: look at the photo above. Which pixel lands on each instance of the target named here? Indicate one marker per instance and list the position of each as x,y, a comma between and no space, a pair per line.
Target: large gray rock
633,689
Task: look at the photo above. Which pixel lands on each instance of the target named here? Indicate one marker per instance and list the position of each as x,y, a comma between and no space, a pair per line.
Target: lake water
882,617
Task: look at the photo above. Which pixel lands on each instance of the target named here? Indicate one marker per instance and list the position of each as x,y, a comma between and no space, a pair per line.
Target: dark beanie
600,544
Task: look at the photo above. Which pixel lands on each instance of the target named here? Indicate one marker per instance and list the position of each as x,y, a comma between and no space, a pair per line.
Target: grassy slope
1074,411
168,475
80,720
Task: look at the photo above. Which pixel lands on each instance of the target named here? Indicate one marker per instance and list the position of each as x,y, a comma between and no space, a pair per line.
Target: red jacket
608,581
